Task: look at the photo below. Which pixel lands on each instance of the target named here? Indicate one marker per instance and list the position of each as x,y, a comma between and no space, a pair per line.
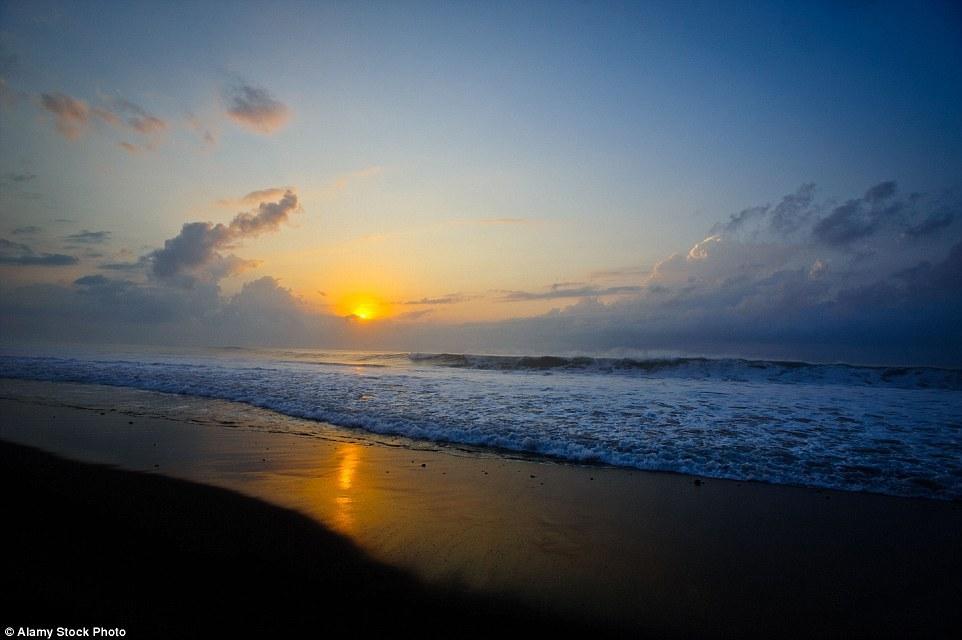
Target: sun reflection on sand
348,456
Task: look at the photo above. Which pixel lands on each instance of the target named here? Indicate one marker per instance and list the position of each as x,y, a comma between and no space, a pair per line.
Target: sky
751,179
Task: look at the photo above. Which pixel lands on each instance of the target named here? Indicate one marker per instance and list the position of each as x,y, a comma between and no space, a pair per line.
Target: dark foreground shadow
91,545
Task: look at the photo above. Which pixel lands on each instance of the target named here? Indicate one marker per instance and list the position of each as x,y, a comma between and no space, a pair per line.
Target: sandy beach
611,549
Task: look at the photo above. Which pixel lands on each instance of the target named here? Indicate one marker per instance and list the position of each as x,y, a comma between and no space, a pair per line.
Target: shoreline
332,432
640,550
94,549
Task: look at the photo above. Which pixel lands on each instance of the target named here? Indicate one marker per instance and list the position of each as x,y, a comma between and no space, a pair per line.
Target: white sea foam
888,430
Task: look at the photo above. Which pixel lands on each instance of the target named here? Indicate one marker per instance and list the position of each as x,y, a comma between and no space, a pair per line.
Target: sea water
894,430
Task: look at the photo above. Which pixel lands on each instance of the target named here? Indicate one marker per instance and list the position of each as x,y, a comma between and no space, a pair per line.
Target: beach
610,549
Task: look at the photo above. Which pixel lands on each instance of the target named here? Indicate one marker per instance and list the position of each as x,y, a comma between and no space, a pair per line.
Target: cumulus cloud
198,244
255,109
758,288
14,253
792,212
99,307
860,217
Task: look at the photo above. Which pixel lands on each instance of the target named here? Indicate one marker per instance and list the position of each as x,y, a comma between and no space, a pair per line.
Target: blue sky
468,150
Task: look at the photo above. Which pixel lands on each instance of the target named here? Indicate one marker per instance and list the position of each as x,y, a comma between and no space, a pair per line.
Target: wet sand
653,553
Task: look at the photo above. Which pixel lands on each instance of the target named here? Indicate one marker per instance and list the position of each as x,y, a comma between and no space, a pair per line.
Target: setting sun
362,307
364,312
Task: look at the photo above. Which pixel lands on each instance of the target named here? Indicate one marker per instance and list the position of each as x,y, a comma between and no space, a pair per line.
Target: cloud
27,231
88,237
254,108
410,316
207,134
256,197
860,217
450,298
73,117
13,253
933,224
124,266
560,291
20,177
103,308
620,272
126,114
197,245
791,213
9,97
71,114
891,297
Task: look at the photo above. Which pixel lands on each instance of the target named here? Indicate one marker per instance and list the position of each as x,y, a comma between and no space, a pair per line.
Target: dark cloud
933,224
737,221
792,212
88,237
859,218
27,231
770,294
20,177
839,226
924,277
101,308
13,253
880,192
197,245
846,223
256,109
92,281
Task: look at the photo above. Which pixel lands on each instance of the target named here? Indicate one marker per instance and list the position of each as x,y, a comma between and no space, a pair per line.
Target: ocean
892,430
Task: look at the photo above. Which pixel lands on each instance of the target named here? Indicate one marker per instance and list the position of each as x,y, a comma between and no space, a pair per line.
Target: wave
841,427
729,369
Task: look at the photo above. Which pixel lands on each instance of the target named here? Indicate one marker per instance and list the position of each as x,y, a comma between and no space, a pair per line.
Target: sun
364,311
362,307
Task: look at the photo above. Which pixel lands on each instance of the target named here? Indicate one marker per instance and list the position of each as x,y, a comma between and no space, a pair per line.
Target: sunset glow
362,307
618,189
608,311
